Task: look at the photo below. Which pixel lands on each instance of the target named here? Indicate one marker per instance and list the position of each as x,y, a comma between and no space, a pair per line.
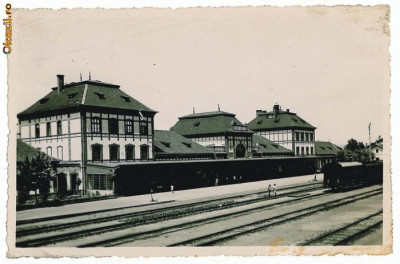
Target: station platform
164,197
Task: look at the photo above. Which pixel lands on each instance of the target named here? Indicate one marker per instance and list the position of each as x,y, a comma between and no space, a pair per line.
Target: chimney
258,112
60,83
287,110
276,110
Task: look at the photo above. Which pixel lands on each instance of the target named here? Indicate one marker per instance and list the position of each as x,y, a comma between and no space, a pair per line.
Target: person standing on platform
172,188
269,190
216,181
275,188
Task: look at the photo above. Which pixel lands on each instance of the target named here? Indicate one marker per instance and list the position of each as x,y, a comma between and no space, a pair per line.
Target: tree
354,151
34,174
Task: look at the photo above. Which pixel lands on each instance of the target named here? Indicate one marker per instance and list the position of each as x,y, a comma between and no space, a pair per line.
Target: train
348,175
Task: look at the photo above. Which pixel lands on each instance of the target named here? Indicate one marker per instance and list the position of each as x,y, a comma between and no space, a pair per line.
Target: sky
328,65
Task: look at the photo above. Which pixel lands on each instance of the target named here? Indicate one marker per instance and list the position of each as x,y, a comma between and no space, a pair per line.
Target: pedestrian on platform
172,188
275,189
216,181
269,190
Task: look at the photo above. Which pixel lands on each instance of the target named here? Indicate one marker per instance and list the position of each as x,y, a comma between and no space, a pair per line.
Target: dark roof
207,114
170,142
378,143
266,146
208,123
283,119
73,96
25,150
326,148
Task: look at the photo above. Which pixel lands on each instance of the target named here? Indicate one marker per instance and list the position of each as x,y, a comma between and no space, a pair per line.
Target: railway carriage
344,175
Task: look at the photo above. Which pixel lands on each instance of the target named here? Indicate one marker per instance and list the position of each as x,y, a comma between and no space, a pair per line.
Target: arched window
37,131
97,152
59,128
114,152
48,129
130,152
144,152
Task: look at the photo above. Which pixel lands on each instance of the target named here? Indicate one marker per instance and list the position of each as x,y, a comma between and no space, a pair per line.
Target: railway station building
286,129
218,131
85,124
169,145
326,152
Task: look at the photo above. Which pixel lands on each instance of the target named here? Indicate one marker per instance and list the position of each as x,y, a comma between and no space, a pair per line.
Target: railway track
216,238
227,233
43,231
348,232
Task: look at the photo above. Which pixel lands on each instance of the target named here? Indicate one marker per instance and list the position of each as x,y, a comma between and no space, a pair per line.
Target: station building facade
219,131
326,152
286,129
88,123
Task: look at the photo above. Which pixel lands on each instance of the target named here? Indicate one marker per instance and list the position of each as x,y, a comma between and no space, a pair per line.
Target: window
72,95
306,136
126,98
100,96
49,151
376,151
197,124
97,152
59,128
297,151
144,152
96,125
302,150
297,136
60,152
114,152
48,129
44,100
302,136
130,152
307,150
128,127
113,126
311,137
312,150
37,131
100,182
143,128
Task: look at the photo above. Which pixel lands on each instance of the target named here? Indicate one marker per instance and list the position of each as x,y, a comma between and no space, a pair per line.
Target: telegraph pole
369,146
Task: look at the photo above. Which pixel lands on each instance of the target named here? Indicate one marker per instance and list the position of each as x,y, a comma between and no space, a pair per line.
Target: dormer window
101,95
197,124
166,144
72,95
44,100
126,98
187,144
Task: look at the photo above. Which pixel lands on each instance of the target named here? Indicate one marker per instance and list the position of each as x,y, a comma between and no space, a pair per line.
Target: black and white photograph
173,132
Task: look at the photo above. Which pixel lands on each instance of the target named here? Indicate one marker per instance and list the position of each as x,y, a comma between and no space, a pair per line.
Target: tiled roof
25,150
73,96
326,148
207,123
170,142
284,119
268,147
